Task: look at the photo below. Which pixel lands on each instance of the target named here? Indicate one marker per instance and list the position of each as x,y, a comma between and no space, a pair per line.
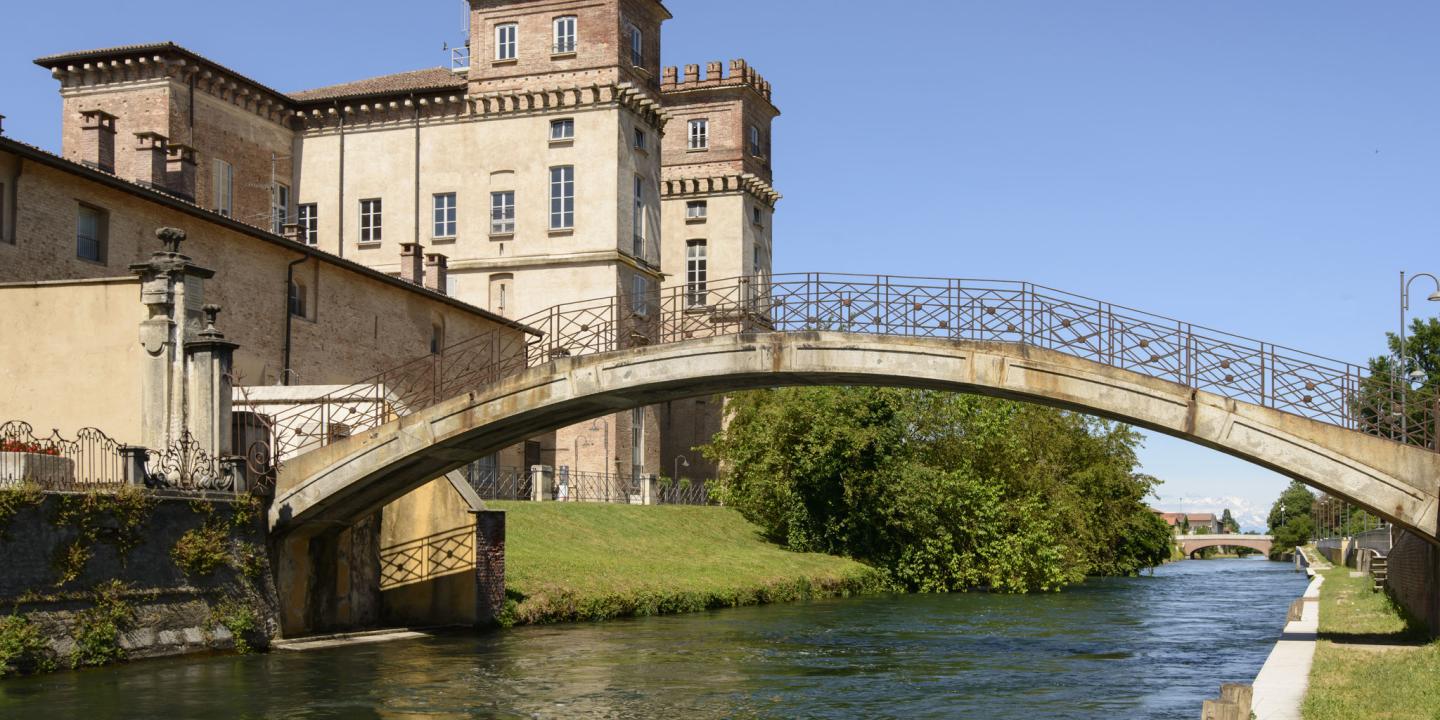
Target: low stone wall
104,577
1413,577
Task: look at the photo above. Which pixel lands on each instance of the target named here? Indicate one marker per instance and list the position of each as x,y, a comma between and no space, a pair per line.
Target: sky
1263,168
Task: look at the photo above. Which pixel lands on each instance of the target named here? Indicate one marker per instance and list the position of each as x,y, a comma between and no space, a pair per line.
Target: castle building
554,162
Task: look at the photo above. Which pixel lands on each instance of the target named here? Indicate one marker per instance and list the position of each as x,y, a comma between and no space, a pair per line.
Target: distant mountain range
1250,515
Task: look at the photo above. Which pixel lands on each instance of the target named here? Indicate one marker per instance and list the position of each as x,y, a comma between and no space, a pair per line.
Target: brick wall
1414,577
489,566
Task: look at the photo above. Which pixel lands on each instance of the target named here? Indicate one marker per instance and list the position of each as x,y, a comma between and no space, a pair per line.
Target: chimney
151,149
180,171
412,263
436,272
292,231
97,140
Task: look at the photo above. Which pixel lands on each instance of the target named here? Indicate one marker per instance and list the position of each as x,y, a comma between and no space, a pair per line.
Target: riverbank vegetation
943,492
1371,660
570,562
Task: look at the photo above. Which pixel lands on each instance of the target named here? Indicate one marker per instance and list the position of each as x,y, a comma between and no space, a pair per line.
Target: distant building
1190,523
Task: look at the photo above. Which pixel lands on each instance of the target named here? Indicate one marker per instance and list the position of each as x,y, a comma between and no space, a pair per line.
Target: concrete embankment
1282,682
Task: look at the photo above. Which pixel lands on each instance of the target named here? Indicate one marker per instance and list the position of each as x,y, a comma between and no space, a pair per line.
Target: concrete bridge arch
349,479
1191,544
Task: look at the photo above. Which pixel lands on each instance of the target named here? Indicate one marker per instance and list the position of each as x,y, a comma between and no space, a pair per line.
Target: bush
201,551
98,628
239,618
22,648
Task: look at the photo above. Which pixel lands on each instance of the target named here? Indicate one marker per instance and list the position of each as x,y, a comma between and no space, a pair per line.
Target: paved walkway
1280,687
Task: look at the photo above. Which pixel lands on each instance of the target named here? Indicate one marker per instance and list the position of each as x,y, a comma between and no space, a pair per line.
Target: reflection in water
1150,647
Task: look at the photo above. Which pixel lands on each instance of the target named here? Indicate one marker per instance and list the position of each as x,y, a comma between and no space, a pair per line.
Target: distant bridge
1190,544
1326,423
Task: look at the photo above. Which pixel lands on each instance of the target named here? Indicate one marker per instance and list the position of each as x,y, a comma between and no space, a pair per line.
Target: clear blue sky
1263,167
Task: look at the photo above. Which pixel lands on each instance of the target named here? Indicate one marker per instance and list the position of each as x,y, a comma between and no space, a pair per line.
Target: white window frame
298,299
308,217
444,216
640,295
562,130
562,197
566,35
372,216
502,212
507,41
280,206
637,46
222,186
700,134
697,273
697,210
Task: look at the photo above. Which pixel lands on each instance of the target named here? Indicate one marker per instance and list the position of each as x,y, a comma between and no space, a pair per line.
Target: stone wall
174,607
1413,577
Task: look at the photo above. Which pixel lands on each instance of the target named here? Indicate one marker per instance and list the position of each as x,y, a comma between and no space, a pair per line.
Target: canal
1147,647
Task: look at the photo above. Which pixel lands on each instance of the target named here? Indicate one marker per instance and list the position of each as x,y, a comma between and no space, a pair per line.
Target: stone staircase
1378,571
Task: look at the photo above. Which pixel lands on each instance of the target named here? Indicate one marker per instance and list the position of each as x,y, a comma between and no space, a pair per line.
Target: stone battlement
741,75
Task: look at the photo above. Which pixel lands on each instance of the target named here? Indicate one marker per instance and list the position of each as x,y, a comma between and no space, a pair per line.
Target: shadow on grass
1414,634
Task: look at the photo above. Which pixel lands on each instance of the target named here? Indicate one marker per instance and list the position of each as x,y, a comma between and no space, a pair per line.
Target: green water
1148,647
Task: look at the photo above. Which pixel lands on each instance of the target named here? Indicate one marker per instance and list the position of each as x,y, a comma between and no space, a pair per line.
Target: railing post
134,460
542,483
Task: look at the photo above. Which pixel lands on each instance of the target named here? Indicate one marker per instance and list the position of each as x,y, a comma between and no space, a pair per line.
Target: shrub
98,628
22,648
201,551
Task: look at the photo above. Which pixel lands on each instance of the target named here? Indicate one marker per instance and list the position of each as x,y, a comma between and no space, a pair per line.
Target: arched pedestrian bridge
1191,544
1326,423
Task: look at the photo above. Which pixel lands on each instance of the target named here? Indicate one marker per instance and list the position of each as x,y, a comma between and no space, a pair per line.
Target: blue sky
1265,168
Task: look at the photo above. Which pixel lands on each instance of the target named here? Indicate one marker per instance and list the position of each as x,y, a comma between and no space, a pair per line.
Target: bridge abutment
329,578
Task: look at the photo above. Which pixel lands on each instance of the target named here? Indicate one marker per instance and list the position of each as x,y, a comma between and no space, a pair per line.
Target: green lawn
1370,662
578,561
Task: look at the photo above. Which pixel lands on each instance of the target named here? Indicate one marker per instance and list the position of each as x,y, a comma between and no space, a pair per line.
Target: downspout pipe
289,316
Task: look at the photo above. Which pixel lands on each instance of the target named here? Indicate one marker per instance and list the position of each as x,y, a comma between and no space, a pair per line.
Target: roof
167,47
436,78
44,157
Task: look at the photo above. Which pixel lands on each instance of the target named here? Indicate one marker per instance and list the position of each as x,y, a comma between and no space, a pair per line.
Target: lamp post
1405,283
680,461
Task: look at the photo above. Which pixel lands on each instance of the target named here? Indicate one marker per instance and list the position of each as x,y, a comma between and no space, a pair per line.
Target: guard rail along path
1369,440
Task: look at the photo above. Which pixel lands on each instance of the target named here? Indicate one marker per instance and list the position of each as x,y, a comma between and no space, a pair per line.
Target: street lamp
680,461
1410,377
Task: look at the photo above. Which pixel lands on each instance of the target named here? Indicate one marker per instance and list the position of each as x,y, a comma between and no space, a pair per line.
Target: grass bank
1370,661
567,562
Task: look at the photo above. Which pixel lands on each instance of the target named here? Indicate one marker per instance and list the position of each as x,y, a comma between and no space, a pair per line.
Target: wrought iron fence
500,483
1232,366
682,492
90,461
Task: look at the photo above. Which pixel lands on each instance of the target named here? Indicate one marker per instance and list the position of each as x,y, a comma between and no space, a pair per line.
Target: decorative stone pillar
648,486
208,361
542,483
173,292
489,566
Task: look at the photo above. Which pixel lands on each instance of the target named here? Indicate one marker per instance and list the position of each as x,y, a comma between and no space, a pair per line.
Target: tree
944,491
1290,518
1407,391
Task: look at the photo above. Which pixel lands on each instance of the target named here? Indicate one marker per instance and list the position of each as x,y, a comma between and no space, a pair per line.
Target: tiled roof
51,60
437,78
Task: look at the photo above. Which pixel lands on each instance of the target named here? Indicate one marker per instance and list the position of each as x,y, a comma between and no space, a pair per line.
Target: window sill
369,244
696,220
697,150
502,236
642,151
568,142
447,240
567,55
559,232
505,62
101,263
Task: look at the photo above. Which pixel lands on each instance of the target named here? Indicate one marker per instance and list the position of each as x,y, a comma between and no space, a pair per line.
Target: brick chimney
412,263
180,171
437,271
97,140
151,149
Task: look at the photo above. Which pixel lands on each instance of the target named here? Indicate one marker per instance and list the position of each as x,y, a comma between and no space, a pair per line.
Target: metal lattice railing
1247,370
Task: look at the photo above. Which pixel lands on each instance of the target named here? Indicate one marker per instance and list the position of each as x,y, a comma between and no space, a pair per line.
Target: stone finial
172,237
212,313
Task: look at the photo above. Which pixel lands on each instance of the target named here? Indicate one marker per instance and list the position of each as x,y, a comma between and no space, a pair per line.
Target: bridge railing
1229,365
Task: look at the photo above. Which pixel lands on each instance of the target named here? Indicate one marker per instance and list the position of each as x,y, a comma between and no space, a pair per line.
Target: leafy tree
1408,390
1228,523
1290,518
946,492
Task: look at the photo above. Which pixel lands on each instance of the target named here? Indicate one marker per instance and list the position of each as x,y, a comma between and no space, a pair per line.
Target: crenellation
741,74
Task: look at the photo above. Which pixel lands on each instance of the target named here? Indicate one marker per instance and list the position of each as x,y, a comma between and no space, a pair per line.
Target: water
1148,647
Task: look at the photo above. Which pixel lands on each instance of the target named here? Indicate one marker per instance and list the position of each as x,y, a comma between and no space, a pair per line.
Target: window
699,134
562,197
500,287
565,34
437,338
297,299
90,233
697,273
638,221
370,221
637,47
309,219
755,215
640,296
444,215
639,139
502,213
697,210
505,41
637,441
280,207
755,141
562,130
222,186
